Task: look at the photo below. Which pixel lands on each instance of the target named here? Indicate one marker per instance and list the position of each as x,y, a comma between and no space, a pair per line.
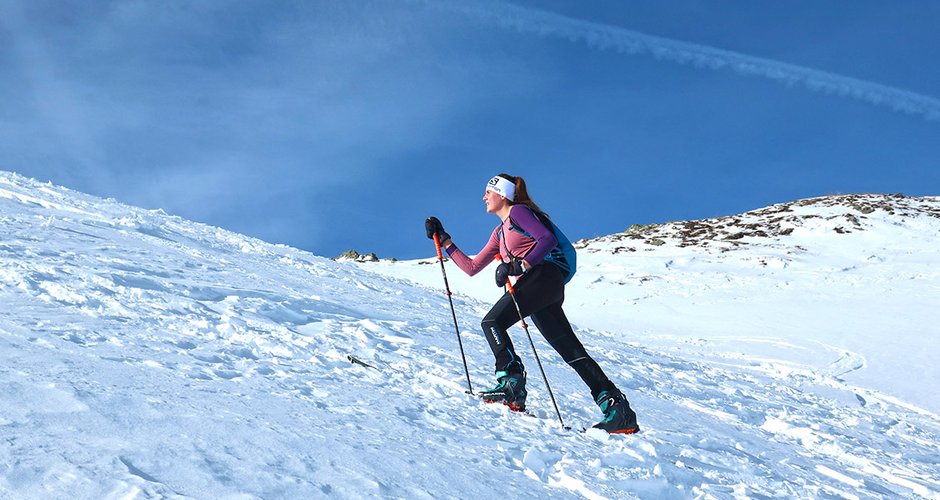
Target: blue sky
333,125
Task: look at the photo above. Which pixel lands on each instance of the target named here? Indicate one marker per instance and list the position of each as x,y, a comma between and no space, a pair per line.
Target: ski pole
512,293
440,258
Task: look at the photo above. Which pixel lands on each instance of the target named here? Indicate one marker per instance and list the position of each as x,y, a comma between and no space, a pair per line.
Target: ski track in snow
144,356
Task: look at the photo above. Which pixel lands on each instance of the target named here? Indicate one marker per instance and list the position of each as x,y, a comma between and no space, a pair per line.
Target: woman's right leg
556,329
619,418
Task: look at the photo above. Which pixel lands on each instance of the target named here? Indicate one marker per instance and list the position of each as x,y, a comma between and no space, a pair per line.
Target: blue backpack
563,255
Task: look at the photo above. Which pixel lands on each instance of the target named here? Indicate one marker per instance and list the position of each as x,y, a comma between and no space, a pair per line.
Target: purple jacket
523,236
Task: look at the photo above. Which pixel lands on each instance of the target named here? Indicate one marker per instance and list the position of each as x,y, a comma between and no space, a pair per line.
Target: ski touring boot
509,390
619,418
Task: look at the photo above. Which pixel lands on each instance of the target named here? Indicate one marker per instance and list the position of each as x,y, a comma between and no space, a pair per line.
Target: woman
529,249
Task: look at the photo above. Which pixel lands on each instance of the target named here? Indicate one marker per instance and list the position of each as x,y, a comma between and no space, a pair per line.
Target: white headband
502,187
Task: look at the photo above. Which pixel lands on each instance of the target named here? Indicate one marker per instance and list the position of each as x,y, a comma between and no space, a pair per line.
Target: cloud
48,105
606,37
214,108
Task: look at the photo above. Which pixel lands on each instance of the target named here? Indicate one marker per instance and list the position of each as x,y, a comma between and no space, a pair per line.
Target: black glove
506,269
434,226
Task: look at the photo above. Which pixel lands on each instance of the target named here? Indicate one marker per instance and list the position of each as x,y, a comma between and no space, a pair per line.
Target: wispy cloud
606,37
203,108
56,110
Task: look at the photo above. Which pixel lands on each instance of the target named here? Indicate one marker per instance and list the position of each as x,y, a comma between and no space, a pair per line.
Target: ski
356,361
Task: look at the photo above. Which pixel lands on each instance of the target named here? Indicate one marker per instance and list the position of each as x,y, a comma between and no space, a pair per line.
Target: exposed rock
624,249
775,221
356,256
640,228
348,255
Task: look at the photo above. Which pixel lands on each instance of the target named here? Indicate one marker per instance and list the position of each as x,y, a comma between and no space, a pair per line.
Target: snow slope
145,356
845,286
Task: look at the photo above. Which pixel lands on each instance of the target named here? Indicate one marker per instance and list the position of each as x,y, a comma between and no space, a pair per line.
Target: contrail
606,37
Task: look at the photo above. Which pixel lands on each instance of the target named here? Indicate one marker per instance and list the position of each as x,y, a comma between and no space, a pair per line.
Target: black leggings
540,293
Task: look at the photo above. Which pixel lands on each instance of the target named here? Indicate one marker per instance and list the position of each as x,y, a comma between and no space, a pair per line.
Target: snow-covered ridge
831,277
834,278
146,356
841,214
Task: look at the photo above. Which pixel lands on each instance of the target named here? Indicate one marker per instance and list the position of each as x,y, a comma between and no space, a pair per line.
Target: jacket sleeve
524,218
474,265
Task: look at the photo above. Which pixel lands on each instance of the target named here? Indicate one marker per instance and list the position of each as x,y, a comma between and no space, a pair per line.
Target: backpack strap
562,255
499,238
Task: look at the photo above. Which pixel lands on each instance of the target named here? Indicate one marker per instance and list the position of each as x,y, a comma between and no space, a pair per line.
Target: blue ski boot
619,418
509,390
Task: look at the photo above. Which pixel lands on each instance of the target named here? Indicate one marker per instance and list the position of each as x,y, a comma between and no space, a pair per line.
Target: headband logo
502,187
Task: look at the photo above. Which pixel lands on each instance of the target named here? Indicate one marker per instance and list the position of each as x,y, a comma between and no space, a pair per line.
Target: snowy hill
142,356
832,284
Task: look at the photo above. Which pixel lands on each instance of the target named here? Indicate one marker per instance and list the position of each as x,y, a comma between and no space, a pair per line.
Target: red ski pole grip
437,243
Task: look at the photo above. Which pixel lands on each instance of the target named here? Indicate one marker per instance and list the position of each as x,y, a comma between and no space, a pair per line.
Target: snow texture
786,352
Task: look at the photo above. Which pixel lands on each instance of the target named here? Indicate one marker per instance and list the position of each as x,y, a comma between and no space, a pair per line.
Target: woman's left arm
545,240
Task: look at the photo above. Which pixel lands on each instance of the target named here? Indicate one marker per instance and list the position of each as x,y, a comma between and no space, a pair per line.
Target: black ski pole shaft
440,258
512,293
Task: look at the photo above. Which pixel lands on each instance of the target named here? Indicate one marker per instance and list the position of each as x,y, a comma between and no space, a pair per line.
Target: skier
529,248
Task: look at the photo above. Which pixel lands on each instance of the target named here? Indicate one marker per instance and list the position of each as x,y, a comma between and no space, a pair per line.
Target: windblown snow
785,352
